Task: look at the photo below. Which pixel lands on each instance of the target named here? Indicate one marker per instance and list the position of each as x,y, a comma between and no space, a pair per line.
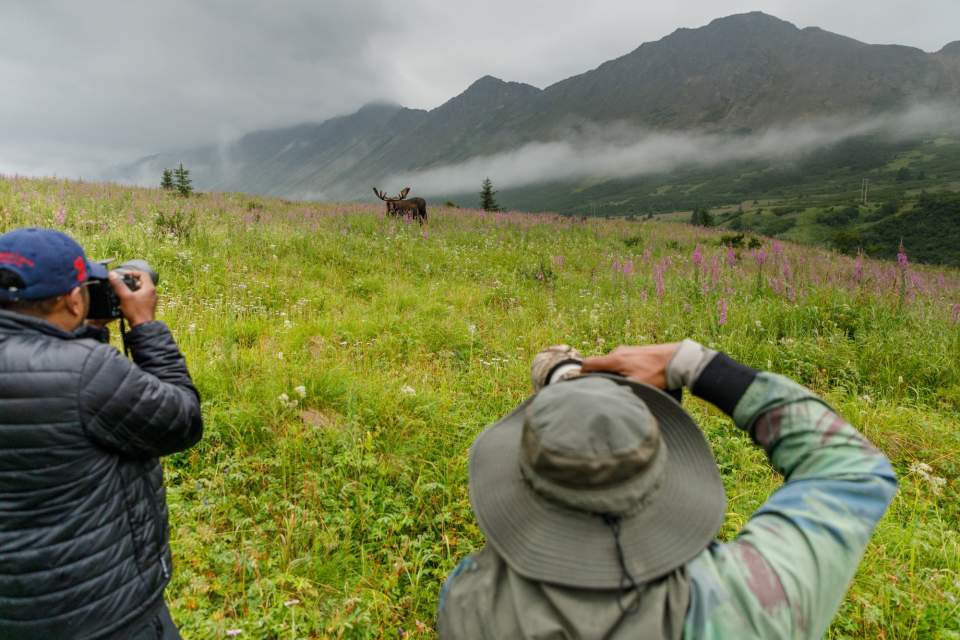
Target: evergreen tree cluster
178,179
701,217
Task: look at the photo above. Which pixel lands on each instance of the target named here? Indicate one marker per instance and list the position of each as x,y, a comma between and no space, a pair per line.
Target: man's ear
76,304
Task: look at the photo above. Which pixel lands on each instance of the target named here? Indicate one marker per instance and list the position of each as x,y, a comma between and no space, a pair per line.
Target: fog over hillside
743,87
622,150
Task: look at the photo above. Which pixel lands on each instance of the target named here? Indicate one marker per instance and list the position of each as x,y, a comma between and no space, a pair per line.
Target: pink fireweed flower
858,268
628,268
917,282
731,257
658,278
697,256
777,247
61,215
722,311
761,257
787,270
902,257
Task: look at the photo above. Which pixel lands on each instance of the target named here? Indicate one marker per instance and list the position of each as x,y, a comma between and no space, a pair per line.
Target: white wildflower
301,391
937,484
925,471
279,355
408,390
287,402
233,632
921,468
291,603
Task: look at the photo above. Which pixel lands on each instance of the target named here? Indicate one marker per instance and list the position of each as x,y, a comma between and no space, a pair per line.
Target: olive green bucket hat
586,456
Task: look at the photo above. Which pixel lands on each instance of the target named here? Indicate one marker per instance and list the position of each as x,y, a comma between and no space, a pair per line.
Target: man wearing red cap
84,541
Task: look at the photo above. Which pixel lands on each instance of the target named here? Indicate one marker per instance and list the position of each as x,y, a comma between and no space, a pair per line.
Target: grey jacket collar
11,322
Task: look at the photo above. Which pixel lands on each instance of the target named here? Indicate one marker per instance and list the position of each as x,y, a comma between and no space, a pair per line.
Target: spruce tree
167,181
487,200
701,217
182,181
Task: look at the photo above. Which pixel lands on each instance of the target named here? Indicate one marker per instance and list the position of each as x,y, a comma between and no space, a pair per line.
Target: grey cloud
92,83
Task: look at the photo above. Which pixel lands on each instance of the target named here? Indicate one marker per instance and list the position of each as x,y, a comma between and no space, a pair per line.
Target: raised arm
141,410
147,409
786,573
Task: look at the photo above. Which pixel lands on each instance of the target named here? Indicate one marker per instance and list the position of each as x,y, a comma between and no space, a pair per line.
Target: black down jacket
84,547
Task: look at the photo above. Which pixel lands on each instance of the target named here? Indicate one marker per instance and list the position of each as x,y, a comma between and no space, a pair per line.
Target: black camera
104,304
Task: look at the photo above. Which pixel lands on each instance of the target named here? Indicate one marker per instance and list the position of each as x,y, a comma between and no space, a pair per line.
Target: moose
416,208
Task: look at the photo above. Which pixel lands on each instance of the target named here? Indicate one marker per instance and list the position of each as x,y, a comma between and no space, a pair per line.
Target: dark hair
10,280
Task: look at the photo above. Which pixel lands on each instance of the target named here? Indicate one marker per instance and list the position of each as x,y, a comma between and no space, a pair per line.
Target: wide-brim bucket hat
548,540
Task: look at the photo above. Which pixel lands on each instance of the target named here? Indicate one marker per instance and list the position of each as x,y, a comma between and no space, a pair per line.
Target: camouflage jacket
786,573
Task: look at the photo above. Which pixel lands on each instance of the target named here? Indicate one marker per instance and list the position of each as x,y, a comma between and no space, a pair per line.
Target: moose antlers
383,196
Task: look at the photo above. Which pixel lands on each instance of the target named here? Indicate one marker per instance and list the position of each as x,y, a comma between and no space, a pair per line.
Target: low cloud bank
620,150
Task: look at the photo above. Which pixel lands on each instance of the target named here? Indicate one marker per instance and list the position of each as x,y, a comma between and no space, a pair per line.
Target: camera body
104,304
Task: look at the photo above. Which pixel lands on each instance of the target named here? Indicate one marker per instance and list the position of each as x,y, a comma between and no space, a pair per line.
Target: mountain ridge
745,72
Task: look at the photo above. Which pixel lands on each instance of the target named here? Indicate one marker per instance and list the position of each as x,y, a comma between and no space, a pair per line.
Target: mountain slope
750,71
737,74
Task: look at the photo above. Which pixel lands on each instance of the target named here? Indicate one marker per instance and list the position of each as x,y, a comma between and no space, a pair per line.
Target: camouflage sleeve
786,573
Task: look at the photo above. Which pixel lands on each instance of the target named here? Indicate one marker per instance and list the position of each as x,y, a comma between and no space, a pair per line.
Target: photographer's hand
140,306
646,364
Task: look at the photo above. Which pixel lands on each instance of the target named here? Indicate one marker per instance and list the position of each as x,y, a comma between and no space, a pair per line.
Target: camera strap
123,336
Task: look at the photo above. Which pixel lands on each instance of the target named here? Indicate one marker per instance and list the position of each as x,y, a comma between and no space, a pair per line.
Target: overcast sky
99,82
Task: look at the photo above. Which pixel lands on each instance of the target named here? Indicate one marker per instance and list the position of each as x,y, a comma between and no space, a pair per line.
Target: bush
839,219
177,225
782,211
847,241
777,226
732,240
634,242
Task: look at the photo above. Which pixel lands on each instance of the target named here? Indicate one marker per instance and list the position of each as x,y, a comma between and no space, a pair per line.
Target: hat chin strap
627,581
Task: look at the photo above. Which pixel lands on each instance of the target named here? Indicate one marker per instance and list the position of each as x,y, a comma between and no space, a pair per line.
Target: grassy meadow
346,361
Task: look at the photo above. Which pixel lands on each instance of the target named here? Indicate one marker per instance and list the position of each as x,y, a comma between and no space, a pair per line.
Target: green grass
339,513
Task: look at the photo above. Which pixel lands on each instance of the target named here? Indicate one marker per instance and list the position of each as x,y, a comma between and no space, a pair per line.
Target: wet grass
346,362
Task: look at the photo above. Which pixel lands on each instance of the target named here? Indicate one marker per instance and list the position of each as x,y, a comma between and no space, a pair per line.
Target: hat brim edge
546,542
